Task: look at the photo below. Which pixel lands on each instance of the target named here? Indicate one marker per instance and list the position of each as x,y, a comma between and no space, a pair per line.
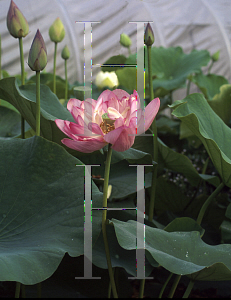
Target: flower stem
141,291
155,145
104,220
174,286
37,103
188,87
17,290
54,70
109,286
66,82
165,284
22,83
208,201
129,51
210,67
189,289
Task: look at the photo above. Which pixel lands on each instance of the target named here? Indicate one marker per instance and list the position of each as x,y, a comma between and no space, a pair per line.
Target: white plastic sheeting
191,24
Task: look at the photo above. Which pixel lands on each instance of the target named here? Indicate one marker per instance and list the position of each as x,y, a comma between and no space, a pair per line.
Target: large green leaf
171,67
179,252
209,84
41,209
196,113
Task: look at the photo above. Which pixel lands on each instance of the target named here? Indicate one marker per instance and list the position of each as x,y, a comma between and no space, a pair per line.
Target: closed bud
38,54
65,53
216,56
125,40
16,22
57,31
149,36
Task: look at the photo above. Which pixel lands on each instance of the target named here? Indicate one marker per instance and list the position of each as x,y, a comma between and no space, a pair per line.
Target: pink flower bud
16,22
38,54
149,36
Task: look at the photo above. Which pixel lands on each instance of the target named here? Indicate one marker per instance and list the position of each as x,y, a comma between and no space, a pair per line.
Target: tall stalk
66,82
104,220
208,201
37,103
22,83
155,145
54,70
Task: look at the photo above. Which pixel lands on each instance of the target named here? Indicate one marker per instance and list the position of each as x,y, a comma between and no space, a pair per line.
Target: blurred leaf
221,103
127,77
10,122
167,125
114,60
209,84
47,79
171,66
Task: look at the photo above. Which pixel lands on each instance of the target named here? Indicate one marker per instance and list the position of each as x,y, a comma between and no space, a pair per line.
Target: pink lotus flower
115,118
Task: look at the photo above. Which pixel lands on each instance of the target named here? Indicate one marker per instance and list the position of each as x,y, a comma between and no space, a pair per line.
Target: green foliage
42,190
42,216
196,113
182,253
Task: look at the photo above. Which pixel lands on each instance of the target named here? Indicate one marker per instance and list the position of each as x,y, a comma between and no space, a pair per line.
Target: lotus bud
106,79
57,31
16,22
125,40
38,54
65,53
216,56
149,36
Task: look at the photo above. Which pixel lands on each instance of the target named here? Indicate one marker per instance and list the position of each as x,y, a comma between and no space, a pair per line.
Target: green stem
210,67
189,289
17,290
66,82
104,220
174,286
37,103
155,145
54,70
188,87
129,51
165,284
109,286
22,61
141,291
208,201
22,83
